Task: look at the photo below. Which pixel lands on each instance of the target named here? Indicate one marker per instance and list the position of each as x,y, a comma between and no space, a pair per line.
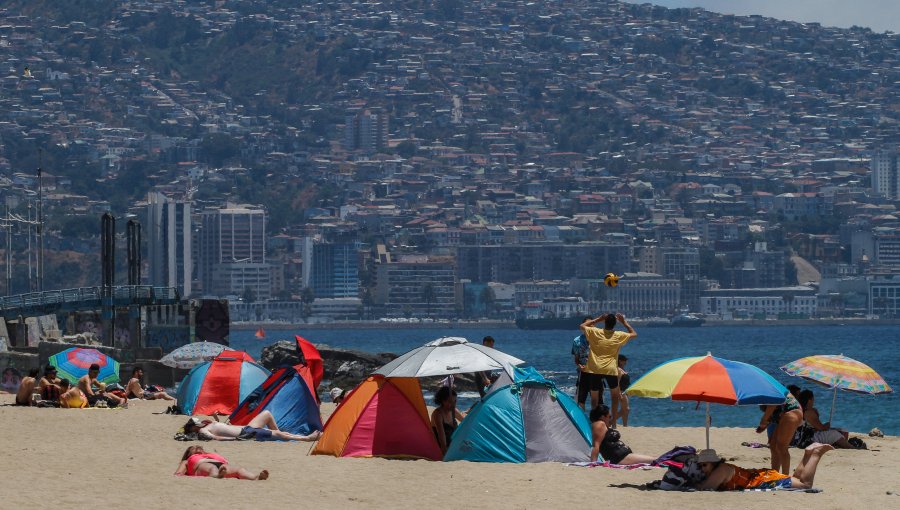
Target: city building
643,295
783,302
331,265
366,130
510,263
169,241
886,174
884,297
416,286
231,252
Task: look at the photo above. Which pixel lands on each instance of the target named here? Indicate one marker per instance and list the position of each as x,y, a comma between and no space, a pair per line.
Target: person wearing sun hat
337,395
721,476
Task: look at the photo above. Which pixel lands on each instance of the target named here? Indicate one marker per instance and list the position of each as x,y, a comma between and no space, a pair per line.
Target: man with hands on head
603,357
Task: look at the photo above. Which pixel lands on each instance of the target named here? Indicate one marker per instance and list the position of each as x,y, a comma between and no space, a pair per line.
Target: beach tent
287,394
219,385
529,420
382,417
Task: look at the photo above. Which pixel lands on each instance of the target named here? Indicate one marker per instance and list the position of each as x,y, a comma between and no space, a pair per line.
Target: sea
768,348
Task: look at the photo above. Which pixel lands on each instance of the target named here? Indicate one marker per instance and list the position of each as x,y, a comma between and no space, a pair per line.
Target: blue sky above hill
879,15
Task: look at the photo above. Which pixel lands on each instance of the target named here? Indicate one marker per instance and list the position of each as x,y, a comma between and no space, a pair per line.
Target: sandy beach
71,458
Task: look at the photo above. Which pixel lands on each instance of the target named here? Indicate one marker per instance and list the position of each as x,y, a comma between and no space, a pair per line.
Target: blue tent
529,420
287,395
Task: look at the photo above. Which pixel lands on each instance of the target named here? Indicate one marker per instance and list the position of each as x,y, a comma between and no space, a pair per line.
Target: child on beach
198,462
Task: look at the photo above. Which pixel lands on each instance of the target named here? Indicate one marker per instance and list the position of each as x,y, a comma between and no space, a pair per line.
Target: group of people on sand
797,423
596,355
54,391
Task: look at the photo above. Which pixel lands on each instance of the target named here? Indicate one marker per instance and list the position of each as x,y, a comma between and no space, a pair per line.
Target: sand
71,458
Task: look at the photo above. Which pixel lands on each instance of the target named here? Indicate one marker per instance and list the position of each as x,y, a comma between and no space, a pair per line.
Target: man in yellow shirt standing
602,362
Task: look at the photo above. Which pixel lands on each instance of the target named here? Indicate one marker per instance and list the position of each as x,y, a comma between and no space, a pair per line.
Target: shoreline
501,324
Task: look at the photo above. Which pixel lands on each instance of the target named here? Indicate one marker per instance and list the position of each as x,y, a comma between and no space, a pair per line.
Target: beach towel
607,464
813,490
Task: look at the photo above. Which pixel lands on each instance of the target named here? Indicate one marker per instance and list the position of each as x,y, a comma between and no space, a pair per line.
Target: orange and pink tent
382,417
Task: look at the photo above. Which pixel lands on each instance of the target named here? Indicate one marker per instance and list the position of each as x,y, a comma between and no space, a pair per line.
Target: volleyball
611,280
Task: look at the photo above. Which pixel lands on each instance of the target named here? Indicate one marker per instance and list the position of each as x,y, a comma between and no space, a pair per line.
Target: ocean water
767,347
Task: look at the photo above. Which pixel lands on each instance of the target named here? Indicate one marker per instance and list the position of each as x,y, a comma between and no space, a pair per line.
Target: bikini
198,458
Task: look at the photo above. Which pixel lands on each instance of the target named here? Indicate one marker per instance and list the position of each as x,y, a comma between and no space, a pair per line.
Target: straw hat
709,455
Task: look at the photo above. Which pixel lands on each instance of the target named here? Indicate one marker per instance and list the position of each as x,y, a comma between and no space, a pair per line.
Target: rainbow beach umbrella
712,380
73,364
838,372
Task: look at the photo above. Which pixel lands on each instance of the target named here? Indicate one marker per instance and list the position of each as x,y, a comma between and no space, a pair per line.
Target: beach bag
682,476
803,436
858,443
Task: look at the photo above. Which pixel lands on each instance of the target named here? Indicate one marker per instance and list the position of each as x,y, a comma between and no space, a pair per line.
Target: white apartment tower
232,252
885,178
169,231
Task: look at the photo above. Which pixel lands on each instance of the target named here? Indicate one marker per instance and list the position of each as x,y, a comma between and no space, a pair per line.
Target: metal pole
30,254
833,400
40,225
8,251
708,421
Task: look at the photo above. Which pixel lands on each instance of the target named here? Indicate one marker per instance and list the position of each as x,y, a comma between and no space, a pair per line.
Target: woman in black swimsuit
608,442
444,418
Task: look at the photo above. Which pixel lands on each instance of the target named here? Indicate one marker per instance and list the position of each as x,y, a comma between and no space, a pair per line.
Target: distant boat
260,333
682,320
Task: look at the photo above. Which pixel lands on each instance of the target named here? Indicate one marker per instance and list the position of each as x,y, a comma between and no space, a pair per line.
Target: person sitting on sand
71,397
608,442
821,432
262,428
134,389
444,417
727,477
49,385
198,462
88,382
26,388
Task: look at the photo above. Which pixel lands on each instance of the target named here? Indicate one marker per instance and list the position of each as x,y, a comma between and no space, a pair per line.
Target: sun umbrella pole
707,425
833,400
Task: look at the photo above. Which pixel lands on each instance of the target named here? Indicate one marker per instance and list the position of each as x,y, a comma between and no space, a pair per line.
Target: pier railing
86,298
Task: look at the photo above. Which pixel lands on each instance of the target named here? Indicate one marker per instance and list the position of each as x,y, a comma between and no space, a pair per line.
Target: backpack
683,476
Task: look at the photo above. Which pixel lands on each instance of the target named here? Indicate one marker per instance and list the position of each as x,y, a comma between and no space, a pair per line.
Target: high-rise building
366,130
232,252
169,237
416,286
331,266
886,174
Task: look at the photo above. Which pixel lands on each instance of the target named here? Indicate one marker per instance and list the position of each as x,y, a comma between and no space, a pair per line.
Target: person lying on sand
727,477
262,428
608,442
197,462
26,388
134,389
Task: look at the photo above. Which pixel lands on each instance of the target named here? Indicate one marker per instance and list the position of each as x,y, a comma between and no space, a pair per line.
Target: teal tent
527,420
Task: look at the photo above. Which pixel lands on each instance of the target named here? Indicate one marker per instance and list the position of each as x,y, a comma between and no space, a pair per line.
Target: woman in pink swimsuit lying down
197,462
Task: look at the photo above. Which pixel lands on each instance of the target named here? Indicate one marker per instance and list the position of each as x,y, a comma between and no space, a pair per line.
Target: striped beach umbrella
838,372
73,364
712,380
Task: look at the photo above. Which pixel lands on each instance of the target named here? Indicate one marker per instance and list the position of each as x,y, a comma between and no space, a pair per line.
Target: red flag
313,359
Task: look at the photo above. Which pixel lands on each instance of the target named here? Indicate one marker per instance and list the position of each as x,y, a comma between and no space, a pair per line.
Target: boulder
343,367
